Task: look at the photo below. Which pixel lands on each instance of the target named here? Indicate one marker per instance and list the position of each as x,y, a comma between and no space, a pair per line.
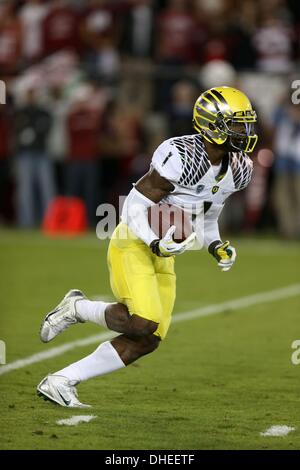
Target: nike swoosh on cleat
53,312
48,317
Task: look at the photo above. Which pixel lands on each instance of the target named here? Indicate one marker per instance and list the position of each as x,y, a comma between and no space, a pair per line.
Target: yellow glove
224,253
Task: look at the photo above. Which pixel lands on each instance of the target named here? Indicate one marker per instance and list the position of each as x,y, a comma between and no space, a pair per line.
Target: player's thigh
166,279
133,279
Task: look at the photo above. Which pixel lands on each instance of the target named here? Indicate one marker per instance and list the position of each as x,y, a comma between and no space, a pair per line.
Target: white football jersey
184,162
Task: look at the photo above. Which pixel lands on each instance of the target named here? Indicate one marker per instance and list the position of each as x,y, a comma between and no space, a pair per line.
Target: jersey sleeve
167,162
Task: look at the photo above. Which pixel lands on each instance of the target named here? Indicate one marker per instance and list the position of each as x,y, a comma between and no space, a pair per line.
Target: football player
198,171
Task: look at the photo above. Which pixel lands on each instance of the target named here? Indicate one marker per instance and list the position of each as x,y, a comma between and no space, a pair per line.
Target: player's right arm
148,191
153,186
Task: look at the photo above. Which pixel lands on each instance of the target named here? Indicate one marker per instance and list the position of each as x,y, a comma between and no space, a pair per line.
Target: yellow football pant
142,281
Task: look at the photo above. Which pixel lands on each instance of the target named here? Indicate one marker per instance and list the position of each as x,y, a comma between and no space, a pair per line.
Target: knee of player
148,344
149,329
142,327
116,312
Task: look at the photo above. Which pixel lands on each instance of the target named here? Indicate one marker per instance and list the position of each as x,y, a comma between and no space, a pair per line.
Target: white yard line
230,305
242,302
53,352
74,420
277,431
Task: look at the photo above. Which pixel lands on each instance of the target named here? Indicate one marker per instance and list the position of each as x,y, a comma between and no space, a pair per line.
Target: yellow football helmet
223,113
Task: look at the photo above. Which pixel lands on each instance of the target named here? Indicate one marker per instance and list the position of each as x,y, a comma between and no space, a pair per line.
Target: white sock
102,361
94,311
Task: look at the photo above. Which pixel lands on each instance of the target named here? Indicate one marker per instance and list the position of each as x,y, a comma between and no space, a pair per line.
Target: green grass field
216,382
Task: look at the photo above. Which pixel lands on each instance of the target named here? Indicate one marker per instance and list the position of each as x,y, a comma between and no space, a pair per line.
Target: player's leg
148,286
108,357
132,276
134,284
145,285
130,349
76,308
166,279
115,316
133,279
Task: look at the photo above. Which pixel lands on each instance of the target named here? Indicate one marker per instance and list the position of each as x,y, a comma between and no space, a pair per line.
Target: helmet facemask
239,132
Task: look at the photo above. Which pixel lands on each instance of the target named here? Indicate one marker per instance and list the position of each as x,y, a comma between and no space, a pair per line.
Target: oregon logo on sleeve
215,189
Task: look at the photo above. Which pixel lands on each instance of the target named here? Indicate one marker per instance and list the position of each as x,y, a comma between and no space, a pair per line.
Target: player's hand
225,254
168,247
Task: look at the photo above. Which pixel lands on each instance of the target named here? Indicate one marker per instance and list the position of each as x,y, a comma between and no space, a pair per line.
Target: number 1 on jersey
166,159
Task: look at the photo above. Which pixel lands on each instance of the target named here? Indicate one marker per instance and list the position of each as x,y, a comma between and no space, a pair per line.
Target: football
162,216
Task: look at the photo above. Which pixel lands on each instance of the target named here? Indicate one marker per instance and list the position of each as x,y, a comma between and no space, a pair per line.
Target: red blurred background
94,86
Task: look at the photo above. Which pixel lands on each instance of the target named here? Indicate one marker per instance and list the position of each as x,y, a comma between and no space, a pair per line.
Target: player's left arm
223,252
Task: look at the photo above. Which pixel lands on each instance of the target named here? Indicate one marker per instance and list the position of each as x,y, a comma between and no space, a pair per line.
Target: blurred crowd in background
93,86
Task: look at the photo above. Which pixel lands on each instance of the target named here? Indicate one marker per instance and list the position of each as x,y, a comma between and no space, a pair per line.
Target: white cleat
60,390
63,316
